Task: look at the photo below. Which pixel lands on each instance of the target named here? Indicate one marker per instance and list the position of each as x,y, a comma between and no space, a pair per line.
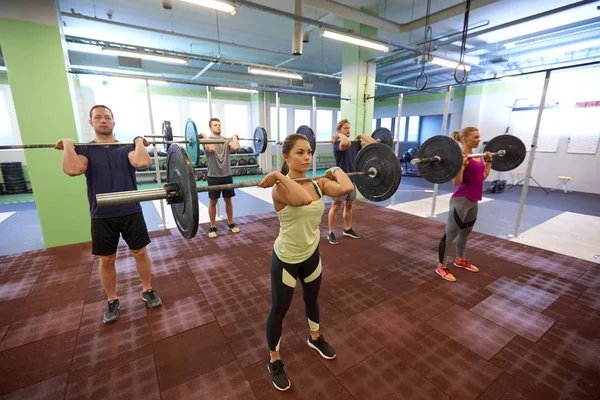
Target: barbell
378,177
381,135
440,158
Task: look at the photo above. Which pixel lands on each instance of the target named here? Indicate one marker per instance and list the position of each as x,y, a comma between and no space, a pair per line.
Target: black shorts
106,232
224,180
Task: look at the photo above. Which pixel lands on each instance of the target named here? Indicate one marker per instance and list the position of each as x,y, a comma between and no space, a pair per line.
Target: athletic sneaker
445,273
350,232
150,297
464,264
233,228
322,347
212,233
332,239
112,311
279,378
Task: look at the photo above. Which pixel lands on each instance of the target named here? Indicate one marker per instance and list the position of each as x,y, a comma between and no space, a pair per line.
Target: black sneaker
322,347
234,228
331,238
150,297
350,232
112,311
279,378
212,233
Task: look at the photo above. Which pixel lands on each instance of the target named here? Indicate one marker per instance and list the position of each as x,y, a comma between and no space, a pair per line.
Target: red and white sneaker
464,264
445,273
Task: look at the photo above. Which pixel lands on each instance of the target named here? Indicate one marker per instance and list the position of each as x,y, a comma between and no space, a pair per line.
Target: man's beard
104,133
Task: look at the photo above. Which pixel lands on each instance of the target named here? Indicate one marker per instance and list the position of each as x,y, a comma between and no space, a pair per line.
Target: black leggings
283,282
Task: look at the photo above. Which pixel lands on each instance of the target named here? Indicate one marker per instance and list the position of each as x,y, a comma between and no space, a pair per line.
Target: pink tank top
472,183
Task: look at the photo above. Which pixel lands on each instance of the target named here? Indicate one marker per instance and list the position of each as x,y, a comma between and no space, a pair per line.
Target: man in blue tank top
112,169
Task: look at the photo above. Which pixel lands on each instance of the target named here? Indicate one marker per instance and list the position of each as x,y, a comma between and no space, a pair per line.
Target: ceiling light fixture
234,89
145,56
216,5
354,40
278,74
447,63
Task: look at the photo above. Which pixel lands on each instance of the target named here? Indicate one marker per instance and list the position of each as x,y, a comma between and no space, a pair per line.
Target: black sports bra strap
316,188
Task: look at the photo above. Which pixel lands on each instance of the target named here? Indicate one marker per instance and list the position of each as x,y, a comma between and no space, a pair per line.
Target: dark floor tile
591,278
591,298
179,316
28,328
249,262
227,240
176,286
24,366
548,374
50,389
127,283
219,278
514,317
132,308
570,272
424,302
472,331
227,383
134,380
506,387
172,263
262,284
115,345
385,376
190,354
352,296
309,377
17,288
526,295
9,309
232,306
417,274
454,369
392,327
60,276
203,263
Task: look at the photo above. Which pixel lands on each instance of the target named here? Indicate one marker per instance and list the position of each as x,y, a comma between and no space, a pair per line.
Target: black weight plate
515,152
249,150
381,157
181,172
167,131
193,147
308,133
164,166
252,161
152,167
242,161
260,139
383,135
233,162
451,159
241,150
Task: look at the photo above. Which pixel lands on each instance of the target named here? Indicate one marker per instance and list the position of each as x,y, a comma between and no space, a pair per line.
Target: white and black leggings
283,282
461,218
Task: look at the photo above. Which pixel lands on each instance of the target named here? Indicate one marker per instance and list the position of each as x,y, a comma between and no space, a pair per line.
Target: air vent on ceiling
130,62
497,60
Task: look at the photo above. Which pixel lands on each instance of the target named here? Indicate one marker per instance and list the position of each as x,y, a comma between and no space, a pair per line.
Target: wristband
333,169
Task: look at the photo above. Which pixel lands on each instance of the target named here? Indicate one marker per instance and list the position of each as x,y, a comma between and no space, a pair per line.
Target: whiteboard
584,132
523,121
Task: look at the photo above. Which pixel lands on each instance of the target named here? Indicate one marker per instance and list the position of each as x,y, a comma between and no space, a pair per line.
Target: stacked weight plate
14,181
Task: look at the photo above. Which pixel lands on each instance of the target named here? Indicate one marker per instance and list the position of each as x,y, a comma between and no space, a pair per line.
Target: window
166,110
402,128
386,123
302,117
236,121
374,125
339,117
413,129
324,125
200,115
282,123
6,136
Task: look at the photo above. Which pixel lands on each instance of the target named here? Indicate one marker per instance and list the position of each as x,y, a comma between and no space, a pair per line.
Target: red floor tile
9,309
424,302
232,306
132,308
179,316
591,298
552,284
506,387
526,295
50,389
590,278
570,272
220,278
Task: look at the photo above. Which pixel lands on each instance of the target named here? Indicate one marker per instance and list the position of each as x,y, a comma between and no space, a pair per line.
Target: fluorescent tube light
278,74
354,40
234,89
216,5
3,68
153,57
447,63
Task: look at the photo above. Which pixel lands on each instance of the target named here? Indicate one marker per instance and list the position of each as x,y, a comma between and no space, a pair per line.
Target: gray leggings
461,218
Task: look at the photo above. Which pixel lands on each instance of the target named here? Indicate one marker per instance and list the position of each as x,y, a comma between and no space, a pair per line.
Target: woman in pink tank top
463,204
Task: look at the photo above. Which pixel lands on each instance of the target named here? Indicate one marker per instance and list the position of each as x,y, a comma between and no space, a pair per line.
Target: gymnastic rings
419,77
464,69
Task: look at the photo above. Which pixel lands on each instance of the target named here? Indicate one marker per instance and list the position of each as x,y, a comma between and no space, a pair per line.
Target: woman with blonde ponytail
300,207
463,204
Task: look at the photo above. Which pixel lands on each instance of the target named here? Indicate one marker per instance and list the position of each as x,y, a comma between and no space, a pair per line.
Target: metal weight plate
181,172
381,157
260,140
383,135
167,131
451,159
193,146
515,152
308,133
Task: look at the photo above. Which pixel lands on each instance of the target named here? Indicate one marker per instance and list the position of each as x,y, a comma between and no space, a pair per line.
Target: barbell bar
377,179
415,161
51,146
381,135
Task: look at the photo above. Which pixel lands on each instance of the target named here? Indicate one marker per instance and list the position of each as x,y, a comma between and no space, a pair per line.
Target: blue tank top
345,159
109,170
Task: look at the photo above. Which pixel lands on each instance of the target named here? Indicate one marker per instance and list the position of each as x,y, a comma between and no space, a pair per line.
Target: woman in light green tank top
300,207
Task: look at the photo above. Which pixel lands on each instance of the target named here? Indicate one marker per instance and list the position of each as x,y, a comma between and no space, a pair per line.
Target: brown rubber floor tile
472,331
514,317
50,389
132,308
591,277
416,274
390,326
134,380
385,376
263,285
173,263
117,344
205,263
454,369
506,387
27,328
591,298
352,296
218,279
296,315
190,354
525,295
232,306
175,286
179,316
9,309
58,276
227,382
552,284
27,365
128,283
569,272
14,289
227,239
424,302
460,292
55,296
